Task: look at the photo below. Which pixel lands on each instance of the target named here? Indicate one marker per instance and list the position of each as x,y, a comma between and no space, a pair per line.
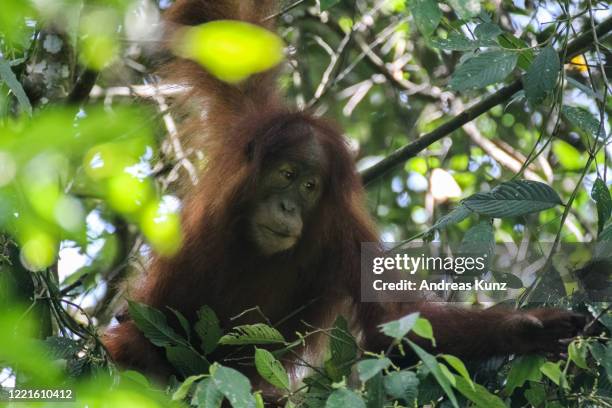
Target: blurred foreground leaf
231,50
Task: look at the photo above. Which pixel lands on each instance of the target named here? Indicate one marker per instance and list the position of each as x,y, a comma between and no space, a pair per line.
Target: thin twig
408,151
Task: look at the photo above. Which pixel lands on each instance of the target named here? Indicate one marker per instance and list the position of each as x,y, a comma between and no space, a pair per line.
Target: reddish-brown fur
242,127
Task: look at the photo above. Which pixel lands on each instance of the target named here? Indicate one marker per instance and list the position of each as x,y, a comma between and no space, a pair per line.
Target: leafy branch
578,46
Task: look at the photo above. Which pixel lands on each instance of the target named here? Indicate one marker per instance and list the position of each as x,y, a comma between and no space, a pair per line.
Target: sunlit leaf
458,365
423,328
569,157
161,227
99,42
231,50
38,249
128,194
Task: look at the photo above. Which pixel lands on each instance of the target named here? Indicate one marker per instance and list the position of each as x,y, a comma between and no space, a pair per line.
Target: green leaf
513,199
541,77
457,215
553,371
603,355
258,333
344,398
478,394
513,281
62,347
271,369
183,389
233,385
426,14
524,368
327,4
458,365
343,349
403,385
536,394
577,352
370,367
601,195
569,157
186,360
484,69
423,328
182,321
208,329
509,41
449,376
583,120
479,240
465,9
8,77
455,42
136,378
207,395
231,50
400,327
375,392
432,364
487,31
606,234
153,325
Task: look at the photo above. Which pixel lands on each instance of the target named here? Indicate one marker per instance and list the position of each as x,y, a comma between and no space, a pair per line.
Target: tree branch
399,156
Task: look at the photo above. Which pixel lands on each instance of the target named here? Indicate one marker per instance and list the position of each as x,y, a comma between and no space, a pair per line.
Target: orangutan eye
288,174
310,185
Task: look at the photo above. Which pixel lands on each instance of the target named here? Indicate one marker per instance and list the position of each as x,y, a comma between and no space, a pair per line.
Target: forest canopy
474,125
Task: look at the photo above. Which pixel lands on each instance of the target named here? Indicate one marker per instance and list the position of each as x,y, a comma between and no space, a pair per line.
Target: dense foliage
472,122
